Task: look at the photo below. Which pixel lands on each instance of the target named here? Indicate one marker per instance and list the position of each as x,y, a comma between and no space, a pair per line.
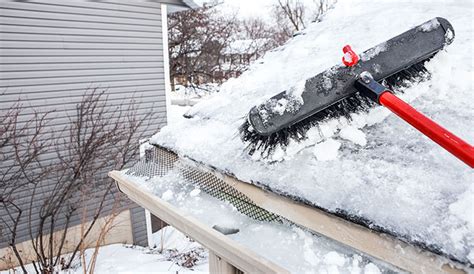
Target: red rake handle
446,139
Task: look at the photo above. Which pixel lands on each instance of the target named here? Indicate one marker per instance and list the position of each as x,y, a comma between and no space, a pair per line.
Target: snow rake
361,82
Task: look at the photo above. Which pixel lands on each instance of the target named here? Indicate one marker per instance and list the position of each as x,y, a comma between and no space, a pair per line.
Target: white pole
149,231
166,61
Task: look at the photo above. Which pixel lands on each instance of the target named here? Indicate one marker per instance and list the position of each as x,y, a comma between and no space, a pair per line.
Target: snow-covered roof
183,5
376,167
191,4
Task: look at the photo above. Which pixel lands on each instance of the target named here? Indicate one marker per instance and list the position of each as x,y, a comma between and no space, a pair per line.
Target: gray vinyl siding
52,52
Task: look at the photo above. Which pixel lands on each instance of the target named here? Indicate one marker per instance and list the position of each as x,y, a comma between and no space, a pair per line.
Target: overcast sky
252,8
247,8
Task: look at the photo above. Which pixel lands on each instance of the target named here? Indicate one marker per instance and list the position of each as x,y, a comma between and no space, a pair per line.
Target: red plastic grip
350,58
446,139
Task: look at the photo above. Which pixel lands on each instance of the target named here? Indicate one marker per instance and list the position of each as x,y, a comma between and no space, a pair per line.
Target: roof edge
191,4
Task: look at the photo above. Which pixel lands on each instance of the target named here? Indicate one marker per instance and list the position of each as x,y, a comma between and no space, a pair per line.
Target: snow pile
327,150
376,166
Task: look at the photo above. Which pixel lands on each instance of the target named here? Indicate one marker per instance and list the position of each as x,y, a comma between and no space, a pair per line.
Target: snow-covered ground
168,258
375,167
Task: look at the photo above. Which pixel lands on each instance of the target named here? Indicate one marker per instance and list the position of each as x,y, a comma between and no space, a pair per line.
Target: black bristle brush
334,93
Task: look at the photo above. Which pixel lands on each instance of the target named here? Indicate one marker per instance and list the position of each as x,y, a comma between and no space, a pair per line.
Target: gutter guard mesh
159,161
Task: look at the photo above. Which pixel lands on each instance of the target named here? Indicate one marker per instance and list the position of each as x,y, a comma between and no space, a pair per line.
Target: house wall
52,52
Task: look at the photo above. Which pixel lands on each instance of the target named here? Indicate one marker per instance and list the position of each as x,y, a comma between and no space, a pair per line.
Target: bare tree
207,46
294,11
293,15
264,36
88,265
100,138
20,149
196,41
320,7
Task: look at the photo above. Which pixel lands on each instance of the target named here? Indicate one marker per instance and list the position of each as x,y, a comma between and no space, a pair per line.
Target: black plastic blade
337,83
